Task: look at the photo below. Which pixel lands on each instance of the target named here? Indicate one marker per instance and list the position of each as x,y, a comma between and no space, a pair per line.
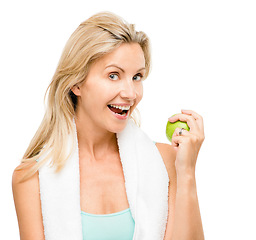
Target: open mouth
118,111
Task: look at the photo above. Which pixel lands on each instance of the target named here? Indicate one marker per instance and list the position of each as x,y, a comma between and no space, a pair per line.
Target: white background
204,58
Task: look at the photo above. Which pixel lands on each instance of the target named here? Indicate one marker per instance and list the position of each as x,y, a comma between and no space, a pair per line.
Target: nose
128,90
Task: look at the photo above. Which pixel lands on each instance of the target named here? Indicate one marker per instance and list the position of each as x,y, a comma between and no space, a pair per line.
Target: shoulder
20,172
24,191
26,195
168,155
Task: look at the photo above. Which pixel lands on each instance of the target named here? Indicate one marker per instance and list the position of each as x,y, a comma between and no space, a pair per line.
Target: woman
91,104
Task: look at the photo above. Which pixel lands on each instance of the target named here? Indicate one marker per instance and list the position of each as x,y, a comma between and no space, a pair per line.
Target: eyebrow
113,65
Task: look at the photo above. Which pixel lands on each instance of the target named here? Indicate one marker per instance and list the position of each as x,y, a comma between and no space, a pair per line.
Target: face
114,81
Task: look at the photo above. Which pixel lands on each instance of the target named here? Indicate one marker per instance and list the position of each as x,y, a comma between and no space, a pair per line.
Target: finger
192,113
185,118
177,137
179,132
196,116
176,140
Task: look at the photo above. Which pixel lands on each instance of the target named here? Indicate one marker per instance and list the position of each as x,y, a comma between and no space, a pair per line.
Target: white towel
146,182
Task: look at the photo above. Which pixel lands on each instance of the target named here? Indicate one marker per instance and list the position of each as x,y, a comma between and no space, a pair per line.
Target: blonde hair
95,37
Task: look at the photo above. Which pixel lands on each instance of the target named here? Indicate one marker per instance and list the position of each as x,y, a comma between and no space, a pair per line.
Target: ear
76,90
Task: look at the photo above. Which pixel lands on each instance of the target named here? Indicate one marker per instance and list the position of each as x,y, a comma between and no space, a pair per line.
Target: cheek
95,89
139,93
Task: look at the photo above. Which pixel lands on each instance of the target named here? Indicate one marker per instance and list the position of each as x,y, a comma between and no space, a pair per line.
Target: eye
137,77
113,76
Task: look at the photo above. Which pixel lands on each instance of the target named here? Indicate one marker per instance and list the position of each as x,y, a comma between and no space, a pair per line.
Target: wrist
185,172
186,181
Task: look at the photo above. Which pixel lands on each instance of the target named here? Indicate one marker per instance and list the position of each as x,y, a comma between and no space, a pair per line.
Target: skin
107,84
114,78
184,220
117,78
28,206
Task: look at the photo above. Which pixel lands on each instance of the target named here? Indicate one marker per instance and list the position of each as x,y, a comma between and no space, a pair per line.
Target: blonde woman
90,172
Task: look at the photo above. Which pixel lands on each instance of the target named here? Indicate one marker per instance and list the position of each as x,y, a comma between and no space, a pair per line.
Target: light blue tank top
114,226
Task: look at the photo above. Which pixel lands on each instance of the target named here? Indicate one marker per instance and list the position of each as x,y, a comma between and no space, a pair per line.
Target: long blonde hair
95,37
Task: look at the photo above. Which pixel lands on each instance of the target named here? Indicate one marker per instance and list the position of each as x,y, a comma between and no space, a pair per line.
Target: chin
119,127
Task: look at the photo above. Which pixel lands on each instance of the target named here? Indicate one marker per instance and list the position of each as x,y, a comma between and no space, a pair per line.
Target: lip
120,116
121,104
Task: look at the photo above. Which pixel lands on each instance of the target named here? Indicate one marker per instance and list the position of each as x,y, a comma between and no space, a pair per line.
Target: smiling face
113,80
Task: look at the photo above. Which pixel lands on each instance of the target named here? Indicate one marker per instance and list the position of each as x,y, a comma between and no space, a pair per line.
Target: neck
94,143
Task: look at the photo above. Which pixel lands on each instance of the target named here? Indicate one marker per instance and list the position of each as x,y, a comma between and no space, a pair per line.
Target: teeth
121,107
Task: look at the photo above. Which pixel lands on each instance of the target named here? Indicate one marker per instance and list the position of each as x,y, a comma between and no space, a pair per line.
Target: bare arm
188,223
26,197
184,220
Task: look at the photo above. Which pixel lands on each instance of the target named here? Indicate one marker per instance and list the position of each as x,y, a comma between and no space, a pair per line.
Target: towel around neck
146,183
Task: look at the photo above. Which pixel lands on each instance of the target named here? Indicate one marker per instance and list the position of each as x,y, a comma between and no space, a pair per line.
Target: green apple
170,128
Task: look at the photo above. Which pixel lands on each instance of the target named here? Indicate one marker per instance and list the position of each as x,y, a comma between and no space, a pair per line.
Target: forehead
126,55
